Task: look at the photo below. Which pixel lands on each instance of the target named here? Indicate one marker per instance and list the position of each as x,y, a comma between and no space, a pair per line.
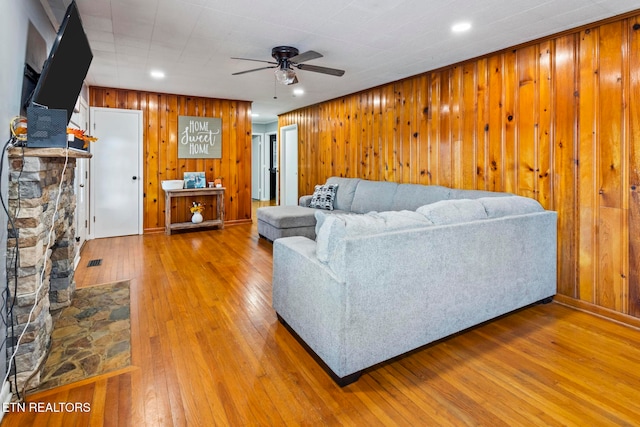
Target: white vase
196,218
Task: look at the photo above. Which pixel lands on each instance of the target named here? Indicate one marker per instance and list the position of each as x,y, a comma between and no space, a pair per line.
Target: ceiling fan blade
306,56
251,71
323,70
256,60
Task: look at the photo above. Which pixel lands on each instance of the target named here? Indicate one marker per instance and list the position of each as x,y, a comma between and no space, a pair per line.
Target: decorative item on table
218,182
194,180
196,210
78,139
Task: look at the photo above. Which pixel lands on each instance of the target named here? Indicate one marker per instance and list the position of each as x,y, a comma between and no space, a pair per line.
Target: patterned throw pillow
323,196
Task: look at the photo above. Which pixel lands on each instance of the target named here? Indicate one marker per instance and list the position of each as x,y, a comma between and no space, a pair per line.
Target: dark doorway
273,165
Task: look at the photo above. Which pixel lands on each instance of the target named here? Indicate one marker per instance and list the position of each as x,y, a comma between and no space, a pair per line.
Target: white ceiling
375,41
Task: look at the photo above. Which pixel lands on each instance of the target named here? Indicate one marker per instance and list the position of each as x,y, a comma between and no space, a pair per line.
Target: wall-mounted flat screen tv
66,67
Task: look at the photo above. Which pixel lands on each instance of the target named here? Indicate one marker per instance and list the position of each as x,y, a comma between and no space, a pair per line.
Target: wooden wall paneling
389,125
424,148
312,150
344,166
230,170
633,28
482,123
304,133
355,145
352,148
365,139
545,124
564,161
444,160
244,123
434,128
150,149
611,115
133,100
470,136
404,104
587,164
610,284
170,150
509,120
377,164
527,120
457,129
495,138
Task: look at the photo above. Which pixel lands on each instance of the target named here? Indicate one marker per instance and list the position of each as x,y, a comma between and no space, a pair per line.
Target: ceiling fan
287,58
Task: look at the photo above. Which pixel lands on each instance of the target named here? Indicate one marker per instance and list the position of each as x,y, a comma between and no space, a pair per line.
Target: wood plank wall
160,116
557,120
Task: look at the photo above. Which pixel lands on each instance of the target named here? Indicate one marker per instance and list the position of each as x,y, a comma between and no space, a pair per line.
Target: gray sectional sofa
376,285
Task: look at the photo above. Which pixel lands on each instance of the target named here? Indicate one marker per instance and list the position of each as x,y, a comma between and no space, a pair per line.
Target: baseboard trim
599,311
5,397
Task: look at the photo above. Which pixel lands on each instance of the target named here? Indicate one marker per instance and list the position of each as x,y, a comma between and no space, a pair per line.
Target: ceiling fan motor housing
280,53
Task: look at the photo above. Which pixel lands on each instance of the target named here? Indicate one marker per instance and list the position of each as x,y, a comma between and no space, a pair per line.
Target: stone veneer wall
34,183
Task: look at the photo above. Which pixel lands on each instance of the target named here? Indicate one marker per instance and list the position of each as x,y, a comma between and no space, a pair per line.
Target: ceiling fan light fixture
285,75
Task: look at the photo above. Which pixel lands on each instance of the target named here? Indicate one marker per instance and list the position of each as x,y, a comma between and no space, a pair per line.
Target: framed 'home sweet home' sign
199,137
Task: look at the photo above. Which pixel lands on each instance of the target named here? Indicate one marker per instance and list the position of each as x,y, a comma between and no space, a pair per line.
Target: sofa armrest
310,298
305,201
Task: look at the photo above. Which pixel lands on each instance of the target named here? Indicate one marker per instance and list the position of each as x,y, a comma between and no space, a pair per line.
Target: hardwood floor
207,350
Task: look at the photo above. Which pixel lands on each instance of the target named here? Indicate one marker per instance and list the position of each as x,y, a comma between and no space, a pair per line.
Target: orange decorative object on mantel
79,134
217,182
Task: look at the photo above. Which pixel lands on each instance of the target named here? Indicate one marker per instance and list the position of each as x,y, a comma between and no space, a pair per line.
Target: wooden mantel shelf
18,152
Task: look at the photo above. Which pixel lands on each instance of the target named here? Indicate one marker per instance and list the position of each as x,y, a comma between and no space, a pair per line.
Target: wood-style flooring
207,350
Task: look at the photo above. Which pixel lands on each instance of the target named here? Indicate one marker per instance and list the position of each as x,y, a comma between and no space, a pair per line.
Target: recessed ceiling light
157,74
461,27
298,91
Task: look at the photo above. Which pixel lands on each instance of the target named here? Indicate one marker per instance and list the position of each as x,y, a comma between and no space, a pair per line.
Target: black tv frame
66,68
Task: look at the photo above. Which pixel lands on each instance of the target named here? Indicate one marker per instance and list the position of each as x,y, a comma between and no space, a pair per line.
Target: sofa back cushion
513,205
332,228
454,211
412,196
345,192
373,196
457,193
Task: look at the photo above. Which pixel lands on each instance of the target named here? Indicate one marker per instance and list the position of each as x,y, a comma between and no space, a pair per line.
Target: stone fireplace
43,274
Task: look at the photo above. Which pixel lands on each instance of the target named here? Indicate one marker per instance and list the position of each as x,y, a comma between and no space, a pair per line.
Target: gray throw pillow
323,196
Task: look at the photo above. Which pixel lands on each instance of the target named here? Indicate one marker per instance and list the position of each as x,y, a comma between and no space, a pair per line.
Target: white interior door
256,166
116,172
80,120
82,205
289,165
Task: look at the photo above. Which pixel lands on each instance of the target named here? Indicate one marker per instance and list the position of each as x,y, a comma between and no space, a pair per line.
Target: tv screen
66,68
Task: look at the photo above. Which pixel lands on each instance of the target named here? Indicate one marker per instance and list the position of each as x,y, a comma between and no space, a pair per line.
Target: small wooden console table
169,194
